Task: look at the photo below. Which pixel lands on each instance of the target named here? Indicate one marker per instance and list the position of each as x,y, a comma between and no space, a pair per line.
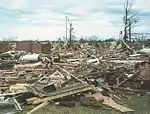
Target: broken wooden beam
64,92
70,74
38,107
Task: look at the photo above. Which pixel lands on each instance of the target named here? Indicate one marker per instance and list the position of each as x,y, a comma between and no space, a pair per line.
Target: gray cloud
67,13
14,13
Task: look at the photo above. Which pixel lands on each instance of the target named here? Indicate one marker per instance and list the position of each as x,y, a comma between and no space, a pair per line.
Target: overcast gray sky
45,19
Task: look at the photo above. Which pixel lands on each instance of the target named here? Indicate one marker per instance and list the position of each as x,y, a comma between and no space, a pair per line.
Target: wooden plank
38,69
38,107
31,100
111,103
10,94
63,93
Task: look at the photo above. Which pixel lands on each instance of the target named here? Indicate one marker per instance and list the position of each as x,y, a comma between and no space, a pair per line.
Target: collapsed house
87,73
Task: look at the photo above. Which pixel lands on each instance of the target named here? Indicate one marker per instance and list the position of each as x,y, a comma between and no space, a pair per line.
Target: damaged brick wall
34,47
28,46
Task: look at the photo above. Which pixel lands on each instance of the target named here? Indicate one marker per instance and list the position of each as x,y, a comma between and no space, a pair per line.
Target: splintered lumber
4,70
129,77
38,107
70,74
109,102
17,105
63,64
64,92
11,94
30,100
37,69
128,89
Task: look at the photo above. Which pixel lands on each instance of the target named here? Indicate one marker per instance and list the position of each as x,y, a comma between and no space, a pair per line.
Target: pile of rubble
84,73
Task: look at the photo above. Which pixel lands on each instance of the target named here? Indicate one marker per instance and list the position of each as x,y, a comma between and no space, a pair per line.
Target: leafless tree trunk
130,19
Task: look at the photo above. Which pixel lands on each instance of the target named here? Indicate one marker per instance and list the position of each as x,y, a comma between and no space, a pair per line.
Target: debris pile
84,73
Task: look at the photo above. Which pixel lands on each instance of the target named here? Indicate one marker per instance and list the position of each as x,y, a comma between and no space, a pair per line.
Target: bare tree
70,36
130,19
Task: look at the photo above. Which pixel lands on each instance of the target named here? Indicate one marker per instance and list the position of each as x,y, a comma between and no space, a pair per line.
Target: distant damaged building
28,46
34,47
